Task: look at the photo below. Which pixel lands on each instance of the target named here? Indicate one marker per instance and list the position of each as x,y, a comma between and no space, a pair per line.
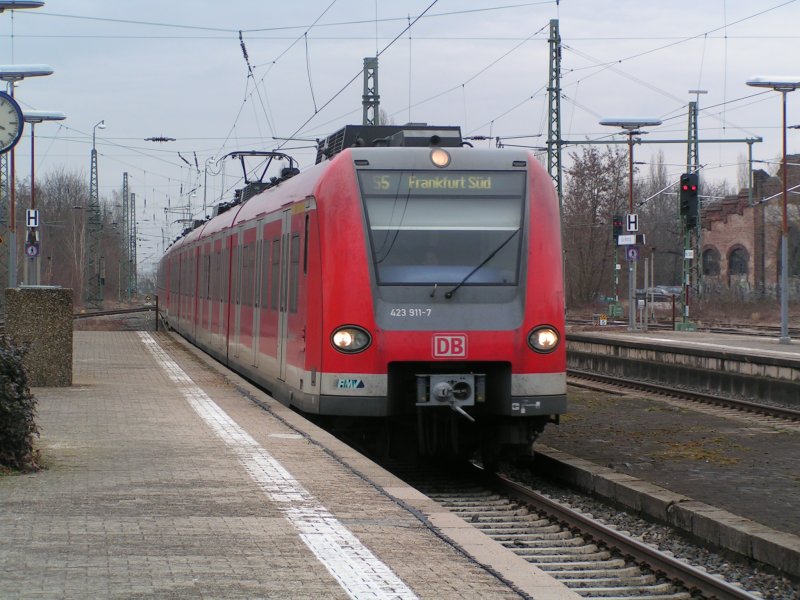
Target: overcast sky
176,69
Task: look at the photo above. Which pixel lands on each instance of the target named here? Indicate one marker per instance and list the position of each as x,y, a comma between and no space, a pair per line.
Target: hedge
17,411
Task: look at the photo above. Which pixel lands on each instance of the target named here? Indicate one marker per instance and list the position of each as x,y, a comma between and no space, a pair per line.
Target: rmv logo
453,345
349,384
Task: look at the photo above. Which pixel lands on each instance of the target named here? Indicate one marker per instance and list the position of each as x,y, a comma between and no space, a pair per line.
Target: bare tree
61,197
384,117
657,204
742,173
595,190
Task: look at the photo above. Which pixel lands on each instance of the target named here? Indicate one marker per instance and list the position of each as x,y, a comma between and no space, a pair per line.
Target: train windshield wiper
492,254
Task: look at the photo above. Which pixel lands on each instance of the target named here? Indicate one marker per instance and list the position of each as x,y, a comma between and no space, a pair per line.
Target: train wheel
442,434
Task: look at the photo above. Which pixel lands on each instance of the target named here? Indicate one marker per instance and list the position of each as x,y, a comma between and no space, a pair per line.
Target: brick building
741,237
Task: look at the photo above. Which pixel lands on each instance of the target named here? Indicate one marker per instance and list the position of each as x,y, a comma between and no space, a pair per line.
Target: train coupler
454,391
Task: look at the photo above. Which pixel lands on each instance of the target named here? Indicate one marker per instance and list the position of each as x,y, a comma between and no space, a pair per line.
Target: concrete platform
752,367
724,476
165,480
754,345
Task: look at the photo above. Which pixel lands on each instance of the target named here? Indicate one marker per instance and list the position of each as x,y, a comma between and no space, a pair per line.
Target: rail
120,311
695,579
704,397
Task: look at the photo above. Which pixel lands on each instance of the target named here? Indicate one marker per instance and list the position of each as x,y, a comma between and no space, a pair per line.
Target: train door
204,320
226,291
195,291
236,292
221,291
258,277
179,286
283,314
247,278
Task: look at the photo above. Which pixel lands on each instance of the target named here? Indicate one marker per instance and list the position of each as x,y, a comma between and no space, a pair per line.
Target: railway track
605,382
751,329
589,557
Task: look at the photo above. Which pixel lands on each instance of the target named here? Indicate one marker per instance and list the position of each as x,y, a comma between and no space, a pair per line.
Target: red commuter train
404,277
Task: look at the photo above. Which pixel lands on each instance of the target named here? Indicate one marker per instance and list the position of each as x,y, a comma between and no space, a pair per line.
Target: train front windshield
430,227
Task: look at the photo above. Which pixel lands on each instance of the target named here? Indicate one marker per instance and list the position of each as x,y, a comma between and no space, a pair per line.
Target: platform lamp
31,247
19,4
11,74
782,84
632,127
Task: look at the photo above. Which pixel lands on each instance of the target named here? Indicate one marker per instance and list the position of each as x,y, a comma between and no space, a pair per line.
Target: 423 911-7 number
411,312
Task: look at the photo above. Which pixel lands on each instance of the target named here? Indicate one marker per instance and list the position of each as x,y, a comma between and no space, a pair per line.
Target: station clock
11,122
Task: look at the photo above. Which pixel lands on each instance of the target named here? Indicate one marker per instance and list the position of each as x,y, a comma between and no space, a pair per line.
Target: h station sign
631,240
632,226
32,218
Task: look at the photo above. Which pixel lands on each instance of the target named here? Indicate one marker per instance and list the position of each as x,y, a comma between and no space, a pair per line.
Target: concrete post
41,318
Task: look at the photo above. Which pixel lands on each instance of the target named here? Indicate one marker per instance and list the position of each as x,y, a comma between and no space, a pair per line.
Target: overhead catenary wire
606,65
285,27
357,75
467,99
308,72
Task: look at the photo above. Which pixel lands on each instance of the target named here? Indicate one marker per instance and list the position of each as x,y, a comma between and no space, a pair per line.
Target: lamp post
93,231
783,85
11,74
631,127
33,117
99,125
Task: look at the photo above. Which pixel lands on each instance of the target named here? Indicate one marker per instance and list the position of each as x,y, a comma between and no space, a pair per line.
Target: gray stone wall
41,319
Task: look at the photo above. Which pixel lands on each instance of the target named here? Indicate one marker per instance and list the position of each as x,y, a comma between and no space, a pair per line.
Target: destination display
488,183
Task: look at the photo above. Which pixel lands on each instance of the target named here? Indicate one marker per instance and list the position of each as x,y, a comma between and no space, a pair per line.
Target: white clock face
10,122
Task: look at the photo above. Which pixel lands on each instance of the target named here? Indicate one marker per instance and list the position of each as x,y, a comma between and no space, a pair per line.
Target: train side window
208,277
235,273
201,279
215,260
265,264
245,280
252,280
305,249
226,270
222,280
295,272
276,269
218,278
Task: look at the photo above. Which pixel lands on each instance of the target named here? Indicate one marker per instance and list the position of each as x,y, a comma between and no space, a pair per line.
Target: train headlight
543,339
350,339
440,157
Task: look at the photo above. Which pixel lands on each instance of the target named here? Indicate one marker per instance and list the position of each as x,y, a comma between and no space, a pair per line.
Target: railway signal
690,206
616,223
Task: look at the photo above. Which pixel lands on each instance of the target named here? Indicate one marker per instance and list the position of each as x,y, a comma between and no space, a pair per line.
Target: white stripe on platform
360,573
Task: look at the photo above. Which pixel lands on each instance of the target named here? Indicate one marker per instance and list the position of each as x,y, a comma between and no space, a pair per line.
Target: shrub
17,410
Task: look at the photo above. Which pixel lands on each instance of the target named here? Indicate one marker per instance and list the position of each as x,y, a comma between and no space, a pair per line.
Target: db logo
453,345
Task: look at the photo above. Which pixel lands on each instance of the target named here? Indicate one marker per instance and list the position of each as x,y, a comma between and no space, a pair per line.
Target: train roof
220,222
408,135
290,190
387,140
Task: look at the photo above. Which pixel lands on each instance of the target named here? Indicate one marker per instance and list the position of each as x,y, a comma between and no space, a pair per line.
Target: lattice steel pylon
554,111
693,166
691,236
371,100
125,277
693,147
94,233
132,282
